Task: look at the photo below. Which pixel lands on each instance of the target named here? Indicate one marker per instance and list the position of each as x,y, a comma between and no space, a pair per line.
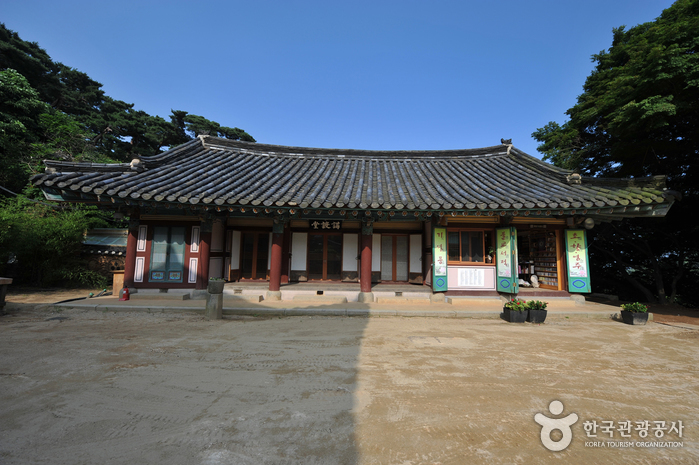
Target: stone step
158,296
474,300
326,299
401,299
229,298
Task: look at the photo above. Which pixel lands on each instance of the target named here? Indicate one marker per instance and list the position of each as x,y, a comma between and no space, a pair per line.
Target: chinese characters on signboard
470,277
577,256
440,252
503,250
326,225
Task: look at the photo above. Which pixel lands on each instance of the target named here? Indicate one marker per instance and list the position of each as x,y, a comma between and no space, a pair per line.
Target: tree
20,108
638,115
116,130
40,245
194,125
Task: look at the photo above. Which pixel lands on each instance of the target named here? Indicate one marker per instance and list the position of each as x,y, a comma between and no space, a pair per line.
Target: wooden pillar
365,276
275,267
130,259
365,263
275,261
204,251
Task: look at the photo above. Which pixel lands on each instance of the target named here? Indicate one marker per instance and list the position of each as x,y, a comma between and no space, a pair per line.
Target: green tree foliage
194,125
638,115
114,129
40,245
20,109
51,111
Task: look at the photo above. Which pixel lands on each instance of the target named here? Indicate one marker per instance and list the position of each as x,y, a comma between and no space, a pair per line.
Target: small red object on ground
124,293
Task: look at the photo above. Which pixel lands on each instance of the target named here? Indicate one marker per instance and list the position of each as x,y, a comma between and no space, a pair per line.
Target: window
468,246
167,254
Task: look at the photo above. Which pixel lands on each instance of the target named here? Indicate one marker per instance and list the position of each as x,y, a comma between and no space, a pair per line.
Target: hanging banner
439,255
506,265
578,262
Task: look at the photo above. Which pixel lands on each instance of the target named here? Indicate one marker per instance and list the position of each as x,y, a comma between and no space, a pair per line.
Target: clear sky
383,75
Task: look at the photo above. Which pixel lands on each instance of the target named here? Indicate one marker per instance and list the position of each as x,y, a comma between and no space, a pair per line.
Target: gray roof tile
228,173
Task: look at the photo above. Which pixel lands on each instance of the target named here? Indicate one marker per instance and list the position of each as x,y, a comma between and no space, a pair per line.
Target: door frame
256,235
394,248
325,254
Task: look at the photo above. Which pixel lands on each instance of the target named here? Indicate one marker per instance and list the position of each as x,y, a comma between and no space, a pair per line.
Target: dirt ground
85,387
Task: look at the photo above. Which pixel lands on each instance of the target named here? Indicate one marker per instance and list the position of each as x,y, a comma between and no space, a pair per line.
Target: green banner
578,263
507,279
439,255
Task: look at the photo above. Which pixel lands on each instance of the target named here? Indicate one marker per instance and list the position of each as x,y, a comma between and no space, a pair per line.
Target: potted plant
215,285
537,311
634,313
516,311
489,257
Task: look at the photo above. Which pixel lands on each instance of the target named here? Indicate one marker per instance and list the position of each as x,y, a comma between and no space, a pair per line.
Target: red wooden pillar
365,263
275,267
275,261
130,259
204,248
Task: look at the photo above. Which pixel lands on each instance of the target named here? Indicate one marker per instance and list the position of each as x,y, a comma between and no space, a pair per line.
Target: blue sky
383,75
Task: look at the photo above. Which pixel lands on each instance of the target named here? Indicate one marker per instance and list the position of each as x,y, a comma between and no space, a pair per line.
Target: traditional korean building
475,220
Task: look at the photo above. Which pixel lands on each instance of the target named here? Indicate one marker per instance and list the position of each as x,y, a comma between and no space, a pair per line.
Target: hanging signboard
439,254
506,265
326,224
578,263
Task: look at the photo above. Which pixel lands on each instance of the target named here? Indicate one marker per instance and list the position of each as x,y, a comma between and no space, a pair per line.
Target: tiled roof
221,172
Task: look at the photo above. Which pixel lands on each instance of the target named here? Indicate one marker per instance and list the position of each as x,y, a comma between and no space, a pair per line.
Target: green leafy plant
215,280
40,245
634,307
536,305
517,305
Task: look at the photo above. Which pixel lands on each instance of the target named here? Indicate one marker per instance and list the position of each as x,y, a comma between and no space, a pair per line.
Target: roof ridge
284,150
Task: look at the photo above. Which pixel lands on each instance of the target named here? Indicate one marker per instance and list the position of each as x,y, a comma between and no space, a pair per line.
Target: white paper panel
217,237
415,253
376,252
142,234
349,252
299,243
401,258
193,262
215,267
269,252
386,258
138,273
235,250
195,239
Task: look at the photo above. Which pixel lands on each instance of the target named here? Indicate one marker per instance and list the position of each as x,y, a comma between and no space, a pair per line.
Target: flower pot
634,318
513,316
215,287
536,316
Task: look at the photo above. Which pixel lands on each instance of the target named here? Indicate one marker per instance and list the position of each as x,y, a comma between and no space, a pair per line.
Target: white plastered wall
376,252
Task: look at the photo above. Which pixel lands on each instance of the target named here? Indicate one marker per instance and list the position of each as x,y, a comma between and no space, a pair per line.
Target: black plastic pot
536,316
634,318
513,316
